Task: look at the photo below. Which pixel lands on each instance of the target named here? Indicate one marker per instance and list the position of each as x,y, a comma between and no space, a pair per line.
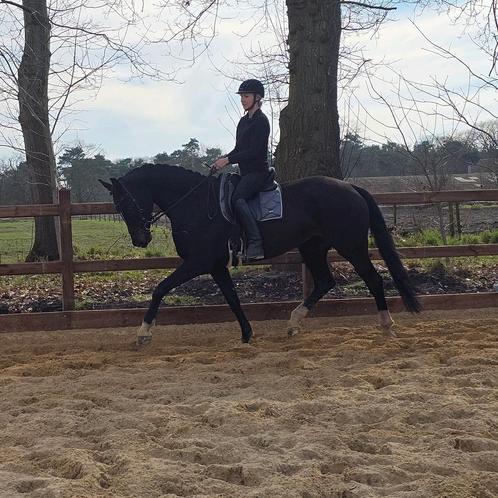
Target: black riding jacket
251,145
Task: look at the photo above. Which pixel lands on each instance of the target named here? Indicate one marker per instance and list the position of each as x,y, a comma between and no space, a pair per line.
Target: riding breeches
249,185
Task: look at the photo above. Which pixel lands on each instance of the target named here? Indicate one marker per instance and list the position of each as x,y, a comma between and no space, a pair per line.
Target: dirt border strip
180,315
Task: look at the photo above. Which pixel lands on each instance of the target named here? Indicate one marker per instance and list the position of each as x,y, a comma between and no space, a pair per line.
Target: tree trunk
34,120
309,124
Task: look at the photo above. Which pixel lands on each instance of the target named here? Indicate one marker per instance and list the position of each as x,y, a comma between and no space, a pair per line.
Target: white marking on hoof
143,340
291,332
389,333
144,334
230,256
386,323
297,315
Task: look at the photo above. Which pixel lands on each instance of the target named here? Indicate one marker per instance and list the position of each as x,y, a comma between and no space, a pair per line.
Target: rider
250,153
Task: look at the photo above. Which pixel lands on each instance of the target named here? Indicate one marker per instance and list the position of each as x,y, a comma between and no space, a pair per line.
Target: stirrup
251,259
256,255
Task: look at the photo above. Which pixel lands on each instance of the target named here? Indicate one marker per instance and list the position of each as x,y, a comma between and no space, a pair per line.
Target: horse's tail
387,250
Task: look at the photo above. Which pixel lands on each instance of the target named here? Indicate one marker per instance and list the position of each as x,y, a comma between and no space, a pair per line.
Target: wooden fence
67,267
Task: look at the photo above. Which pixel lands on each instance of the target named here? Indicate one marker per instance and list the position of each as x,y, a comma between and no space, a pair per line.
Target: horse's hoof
292,331
144,340
388,332
247,338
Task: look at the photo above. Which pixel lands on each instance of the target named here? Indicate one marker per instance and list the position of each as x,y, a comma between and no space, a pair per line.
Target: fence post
451,218
66,232
458,222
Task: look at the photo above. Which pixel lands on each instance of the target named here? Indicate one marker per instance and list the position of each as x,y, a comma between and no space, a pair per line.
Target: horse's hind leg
314,254
222,277
362,264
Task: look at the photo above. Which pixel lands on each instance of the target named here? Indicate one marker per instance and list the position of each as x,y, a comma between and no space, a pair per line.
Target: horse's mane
161,170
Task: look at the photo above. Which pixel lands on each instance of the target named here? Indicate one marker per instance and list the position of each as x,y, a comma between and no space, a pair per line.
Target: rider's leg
249,186
250,227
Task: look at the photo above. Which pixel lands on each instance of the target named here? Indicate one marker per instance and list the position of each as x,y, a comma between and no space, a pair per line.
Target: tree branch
18,5
366,5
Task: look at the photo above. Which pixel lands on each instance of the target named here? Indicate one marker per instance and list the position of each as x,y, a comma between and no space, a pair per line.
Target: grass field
103,239
92,239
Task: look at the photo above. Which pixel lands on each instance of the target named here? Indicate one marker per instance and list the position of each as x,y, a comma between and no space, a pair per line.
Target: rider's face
247,100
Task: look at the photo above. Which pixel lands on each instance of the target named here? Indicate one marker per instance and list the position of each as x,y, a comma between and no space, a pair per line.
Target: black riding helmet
252,86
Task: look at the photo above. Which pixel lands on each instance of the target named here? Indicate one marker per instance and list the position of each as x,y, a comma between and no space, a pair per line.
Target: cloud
401,49
142,118
151,101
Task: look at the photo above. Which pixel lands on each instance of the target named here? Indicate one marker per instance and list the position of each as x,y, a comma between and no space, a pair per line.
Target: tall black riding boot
254,240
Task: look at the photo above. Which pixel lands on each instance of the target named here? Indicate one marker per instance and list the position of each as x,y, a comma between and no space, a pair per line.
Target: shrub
423,238
486,237
470,239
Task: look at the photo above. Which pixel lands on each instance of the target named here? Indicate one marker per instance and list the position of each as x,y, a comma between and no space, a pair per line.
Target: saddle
265,206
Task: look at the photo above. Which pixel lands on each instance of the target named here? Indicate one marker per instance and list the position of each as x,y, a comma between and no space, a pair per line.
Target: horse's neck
169,189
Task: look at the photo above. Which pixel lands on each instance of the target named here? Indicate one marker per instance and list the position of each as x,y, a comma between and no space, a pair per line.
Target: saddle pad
267,205
264,207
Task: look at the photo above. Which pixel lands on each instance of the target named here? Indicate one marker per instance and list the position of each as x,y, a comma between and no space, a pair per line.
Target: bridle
146,223
128,197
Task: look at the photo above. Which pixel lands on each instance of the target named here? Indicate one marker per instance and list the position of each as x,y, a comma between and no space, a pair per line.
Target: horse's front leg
182,274
222,277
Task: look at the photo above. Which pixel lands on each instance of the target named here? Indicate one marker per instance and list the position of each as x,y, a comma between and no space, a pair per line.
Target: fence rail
398,198
67,266
160,263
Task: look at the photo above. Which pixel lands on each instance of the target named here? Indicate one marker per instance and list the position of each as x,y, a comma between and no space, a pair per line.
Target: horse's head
132,204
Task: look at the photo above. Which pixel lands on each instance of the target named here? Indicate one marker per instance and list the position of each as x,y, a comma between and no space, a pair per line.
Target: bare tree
424,111
298,57
474,105
416,125
309,124
485,137
64,50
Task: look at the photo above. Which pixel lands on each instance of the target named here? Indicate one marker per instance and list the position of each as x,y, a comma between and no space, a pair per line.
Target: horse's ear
107,185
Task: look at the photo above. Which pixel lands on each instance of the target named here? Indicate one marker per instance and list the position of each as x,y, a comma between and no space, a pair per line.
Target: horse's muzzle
142,239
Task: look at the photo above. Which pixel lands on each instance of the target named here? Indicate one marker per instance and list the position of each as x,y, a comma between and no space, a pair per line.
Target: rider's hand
220,163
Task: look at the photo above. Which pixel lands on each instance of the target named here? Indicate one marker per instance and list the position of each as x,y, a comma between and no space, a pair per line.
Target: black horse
318,213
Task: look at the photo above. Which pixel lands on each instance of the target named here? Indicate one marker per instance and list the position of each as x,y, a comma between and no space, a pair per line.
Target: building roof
471,181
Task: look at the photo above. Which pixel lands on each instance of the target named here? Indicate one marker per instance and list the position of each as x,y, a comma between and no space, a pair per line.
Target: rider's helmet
252,86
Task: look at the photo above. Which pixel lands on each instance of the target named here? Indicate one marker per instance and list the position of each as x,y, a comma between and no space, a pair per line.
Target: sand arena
336,411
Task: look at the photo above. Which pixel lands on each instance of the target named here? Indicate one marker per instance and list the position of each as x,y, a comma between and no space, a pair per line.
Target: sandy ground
337,411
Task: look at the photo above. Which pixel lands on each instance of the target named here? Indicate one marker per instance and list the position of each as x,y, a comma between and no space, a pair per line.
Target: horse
319,213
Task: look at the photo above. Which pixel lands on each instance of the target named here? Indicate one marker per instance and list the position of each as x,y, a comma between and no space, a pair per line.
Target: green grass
433,238
15,240
92,239
479,205
102,239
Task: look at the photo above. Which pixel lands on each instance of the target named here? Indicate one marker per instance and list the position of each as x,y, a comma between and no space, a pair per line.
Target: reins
193,189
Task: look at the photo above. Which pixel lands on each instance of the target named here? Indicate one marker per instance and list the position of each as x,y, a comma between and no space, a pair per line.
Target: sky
140,118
